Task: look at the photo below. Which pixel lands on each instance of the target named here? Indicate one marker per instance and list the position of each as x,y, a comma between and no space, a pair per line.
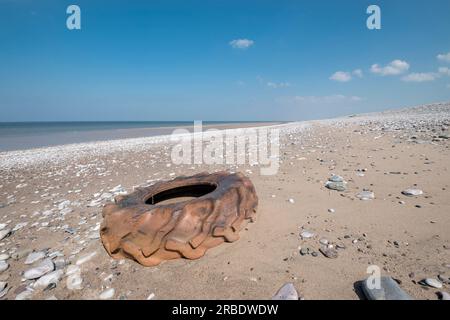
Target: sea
28,135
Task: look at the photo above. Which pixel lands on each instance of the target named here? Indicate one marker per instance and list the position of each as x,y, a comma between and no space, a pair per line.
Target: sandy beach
51,201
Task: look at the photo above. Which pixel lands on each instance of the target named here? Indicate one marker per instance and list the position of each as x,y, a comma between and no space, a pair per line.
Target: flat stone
307,234
337,186
443,295
3,265
74,281
434,283
336,178
388,290
4,256
34,256
24,295
72,269
86,258
46,280
4,233
329,252
412,192
366,195
43,268
286,292
107,294
324,241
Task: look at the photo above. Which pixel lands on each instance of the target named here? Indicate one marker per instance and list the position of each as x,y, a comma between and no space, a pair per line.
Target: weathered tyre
139,228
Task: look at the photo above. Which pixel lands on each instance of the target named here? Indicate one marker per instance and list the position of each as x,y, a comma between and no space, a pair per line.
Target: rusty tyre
139,228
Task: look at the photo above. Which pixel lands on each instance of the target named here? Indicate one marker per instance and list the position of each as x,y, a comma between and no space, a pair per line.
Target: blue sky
175,60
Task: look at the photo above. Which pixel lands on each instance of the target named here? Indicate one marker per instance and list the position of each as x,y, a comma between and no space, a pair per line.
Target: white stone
86,258
107,294
2,226
444,295
291,200
45,281
412,192
34,256
74,281
366,195
72,269
4,233
3,285
4,256
287,292
307,234
19,226
433,283
151,296
3,265
43,268
25,295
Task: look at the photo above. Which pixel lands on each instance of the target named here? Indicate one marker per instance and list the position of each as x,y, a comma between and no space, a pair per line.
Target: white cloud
241,43
395,67
421,77
358,73
444,70
336,98
344,76
444,57
341,76
275,85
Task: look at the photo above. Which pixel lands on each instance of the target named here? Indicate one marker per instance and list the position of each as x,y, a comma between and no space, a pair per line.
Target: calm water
26,135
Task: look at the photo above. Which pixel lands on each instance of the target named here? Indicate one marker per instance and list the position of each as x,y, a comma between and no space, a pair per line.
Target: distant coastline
27,135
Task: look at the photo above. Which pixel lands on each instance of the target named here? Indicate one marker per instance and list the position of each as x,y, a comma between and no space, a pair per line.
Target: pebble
329,252
2,226
286,292
443,295
24,295
86,258
434,283
331,210
3,289
4,233
4,256
151,296
74,281
337,186
291,200
323,241
43,268
46,280
412,192
366,195
72,270
107,294
3,265
34,256
389,290
307,234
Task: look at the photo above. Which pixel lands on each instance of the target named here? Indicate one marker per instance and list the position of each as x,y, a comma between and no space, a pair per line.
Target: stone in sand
286,292
4,233
388,290
366,195
74,281
329,252
434,283
86,258
4,256
412,192
307,234
3,265
443,295
34,256
43,268
46,280
337,186
107,294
